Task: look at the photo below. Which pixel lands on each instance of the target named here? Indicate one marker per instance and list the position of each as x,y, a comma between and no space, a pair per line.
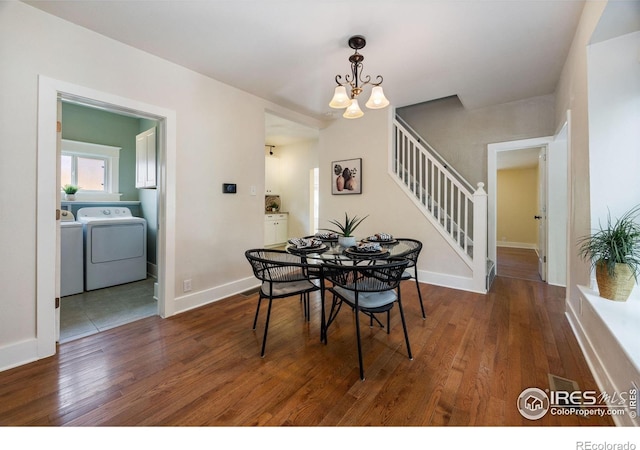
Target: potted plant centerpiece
70,191
614,251
346,229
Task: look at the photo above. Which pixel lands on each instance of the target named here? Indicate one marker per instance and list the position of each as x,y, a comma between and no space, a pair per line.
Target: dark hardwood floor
518,263
473,356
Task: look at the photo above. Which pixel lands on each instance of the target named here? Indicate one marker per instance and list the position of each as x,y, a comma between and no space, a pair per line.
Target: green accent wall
85,124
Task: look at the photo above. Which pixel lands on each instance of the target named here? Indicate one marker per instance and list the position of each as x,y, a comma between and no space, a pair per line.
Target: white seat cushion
282,289
368,299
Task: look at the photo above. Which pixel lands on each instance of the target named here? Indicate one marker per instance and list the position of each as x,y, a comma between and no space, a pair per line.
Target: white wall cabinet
271,175
276,228
146,159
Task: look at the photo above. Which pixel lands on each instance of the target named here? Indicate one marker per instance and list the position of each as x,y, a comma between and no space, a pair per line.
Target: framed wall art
346,176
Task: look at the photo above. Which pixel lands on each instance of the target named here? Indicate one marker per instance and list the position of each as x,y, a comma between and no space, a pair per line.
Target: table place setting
326,236
367,249
382,238
306,245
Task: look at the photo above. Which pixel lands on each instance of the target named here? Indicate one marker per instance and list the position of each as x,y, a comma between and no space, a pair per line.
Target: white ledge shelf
621,318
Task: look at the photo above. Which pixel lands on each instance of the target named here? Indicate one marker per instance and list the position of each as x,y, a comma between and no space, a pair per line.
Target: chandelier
356,81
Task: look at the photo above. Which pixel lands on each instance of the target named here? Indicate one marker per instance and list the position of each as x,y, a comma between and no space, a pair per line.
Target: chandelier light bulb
353,111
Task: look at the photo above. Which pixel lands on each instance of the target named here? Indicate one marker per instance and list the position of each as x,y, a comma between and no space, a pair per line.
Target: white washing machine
115,246
71,255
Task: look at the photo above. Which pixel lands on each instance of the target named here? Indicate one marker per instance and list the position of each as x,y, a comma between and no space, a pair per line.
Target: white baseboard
15,355
508,244
196,299
448,281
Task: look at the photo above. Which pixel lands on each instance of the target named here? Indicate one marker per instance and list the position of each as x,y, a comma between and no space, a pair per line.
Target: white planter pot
70,197
347,241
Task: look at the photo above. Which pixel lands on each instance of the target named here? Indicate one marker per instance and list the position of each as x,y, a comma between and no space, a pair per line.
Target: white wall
296,160
614,126
212,229
571,94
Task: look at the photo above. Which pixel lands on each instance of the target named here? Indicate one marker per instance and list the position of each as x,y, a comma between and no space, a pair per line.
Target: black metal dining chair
412,254
282,275
371,289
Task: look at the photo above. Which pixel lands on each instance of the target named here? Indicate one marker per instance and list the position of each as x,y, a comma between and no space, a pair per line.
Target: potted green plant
273,206
614,252
346,229
70,191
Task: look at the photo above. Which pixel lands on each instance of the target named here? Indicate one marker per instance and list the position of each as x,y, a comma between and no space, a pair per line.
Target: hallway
521,263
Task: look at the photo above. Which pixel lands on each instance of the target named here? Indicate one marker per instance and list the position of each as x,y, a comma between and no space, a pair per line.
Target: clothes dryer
115,246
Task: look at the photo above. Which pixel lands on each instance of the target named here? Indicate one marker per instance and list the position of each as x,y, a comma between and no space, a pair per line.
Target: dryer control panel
107,212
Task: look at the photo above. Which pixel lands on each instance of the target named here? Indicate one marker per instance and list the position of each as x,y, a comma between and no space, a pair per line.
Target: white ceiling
281,131
289,51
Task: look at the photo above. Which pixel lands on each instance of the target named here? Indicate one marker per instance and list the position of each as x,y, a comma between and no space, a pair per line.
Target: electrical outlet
253,190
186,285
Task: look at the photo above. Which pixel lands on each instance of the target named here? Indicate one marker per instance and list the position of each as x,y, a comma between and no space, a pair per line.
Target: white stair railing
455,209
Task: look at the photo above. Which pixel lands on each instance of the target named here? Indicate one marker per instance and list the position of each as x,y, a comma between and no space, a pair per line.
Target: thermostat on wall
228,188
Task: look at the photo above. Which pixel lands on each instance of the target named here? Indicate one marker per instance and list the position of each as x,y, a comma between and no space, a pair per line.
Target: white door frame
48,198
492,169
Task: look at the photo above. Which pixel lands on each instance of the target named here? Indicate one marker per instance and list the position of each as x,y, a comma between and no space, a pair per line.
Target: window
85,171
92,167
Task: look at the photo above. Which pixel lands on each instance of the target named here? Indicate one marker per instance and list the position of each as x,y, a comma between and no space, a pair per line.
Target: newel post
480,239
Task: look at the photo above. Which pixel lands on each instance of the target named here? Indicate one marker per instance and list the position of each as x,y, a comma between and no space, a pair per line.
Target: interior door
58,240
541,215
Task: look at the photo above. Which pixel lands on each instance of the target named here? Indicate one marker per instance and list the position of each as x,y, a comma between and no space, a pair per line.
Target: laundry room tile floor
94,311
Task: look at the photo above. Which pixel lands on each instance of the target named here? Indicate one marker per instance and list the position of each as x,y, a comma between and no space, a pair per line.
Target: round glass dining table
330,250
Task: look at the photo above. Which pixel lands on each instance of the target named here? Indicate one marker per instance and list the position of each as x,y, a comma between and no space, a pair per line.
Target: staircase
447,200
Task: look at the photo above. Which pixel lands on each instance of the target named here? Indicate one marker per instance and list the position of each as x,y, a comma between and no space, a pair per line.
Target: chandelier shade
356,82
377,99
340,98
353,111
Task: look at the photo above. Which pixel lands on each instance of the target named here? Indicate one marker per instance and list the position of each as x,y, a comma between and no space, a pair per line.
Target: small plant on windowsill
346,229
614,252
70,191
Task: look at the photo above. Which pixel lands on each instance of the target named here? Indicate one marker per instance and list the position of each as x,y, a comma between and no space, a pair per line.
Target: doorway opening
84,309
549,213
50,95
520,205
